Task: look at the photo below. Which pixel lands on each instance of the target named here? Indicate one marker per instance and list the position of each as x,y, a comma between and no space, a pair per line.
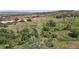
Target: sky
38,5
24,10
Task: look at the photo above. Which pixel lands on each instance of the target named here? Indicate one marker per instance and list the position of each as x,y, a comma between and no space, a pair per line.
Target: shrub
58,16
23,34
49,43
35,33
16,19
3,25
45,34
29,19
3,40
53,35
6,36
74,33
56,29
51,23
20,42
7,46
67,27
46,28
7,33
28,37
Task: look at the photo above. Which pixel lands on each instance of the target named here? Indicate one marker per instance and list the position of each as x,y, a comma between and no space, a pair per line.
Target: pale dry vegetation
42,33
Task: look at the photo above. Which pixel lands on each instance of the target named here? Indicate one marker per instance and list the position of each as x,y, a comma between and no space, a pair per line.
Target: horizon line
30,10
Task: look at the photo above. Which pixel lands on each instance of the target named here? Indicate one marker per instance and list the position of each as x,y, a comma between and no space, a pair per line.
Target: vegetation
49,32
74,33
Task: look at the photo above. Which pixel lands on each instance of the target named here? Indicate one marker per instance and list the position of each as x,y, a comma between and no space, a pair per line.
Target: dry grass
39,22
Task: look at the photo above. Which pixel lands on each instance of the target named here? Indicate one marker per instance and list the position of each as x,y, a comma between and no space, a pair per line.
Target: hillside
42,30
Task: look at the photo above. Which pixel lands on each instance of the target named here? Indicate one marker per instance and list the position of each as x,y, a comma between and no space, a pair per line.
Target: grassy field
44,33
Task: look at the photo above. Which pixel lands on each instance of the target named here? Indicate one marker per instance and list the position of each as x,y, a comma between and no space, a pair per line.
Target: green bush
8,34
49,43
67,27
35,32
45,28
29,19
53,36
27,33
56,29
7,46
74,33
51,23
28,37
45,34
3,25
23,34
3,40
